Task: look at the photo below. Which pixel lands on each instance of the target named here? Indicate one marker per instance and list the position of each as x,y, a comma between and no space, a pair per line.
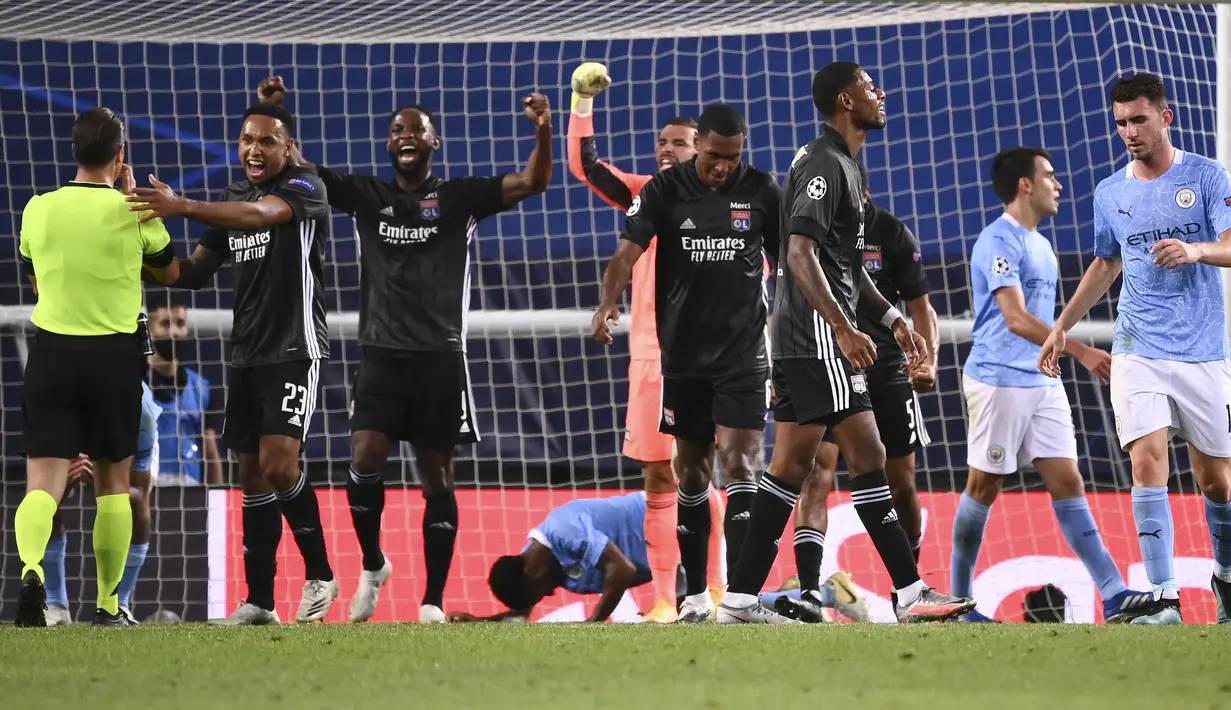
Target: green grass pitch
549,666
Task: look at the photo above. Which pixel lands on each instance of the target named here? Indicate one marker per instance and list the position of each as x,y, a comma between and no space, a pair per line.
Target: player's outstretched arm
801,259
161,201
535,177
616,187
618,574
1022,323
1094,284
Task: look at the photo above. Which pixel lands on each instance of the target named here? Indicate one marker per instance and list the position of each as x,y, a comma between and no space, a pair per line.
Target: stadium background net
963,80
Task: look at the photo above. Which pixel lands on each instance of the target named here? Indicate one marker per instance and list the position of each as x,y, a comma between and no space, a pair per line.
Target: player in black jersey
715,218
820,355
273,225
412,385
890,254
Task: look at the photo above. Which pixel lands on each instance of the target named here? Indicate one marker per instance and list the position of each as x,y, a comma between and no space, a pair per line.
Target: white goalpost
963,81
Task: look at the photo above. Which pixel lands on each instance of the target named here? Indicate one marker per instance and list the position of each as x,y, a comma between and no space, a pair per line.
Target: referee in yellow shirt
85,251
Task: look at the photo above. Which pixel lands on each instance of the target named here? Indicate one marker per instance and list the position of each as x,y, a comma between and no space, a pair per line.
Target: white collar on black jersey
1128,169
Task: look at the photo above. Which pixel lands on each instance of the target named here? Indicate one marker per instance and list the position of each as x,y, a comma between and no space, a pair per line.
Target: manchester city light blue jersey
147,435
1005,255
1167,314
578,531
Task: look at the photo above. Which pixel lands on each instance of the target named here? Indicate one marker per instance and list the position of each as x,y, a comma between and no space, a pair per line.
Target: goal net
963,80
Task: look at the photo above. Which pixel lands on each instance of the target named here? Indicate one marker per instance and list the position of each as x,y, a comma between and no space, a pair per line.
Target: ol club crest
741,220
429,209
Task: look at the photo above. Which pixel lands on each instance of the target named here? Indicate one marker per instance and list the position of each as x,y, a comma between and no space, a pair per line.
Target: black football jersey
891,256
822,201
414,255
710,296
279,309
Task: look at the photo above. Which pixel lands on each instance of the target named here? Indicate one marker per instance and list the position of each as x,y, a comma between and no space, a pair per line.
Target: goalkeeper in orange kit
643,442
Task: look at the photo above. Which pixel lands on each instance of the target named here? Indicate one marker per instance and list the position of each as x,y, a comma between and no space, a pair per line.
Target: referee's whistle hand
128,183
157,201
602,322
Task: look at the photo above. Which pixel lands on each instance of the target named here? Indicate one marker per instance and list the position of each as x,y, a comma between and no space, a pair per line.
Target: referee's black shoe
102,618
32,604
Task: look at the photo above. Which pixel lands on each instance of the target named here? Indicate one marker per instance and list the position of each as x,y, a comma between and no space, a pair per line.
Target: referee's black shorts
421,397
82,395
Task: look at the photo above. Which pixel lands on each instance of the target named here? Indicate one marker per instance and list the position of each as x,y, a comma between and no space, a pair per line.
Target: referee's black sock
874,504
365,493
694,536
739,516
303,513
262,534
439,536
771,509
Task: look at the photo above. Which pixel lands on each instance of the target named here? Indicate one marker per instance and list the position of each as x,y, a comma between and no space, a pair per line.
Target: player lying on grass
144,472
643,442
590,546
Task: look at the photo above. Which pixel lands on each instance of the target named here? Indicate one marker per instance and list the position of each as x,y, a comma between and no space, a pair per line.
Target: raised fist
590,78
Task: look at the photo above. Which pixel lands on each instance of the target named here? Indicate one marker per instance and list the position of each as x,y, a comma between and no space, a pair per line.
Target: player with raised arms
716,219
1164,220
413,384
643,442
819,356
890,253
273,225
1018,415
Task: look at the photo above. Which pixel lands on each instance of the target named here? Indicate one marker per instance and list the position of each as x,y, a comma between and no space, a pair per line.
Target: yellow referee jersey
86,249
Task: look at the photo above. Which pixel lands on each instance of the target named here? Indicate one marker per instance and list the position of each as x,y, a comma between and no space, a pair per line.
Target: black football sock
874,504
694,536
439,537
771,509
739,515
303,514
809,549
261,537
916,544
365,492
